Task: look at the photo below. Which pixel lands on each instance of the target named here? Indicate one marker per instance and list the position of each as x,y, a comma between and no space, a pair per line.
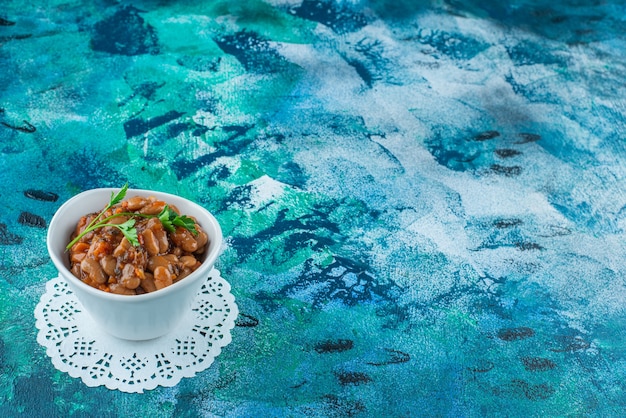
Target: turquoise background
423,201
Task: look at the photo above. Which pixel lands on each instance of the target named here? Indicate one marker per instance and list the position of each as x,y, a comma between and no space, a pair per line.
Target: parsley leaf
168,218
94,224
171,219
129,231
117,198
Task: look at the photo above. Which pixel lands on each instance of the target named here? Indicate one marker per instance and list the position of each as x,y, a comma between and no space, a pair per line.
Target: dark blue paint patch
453,45
239,196
139,126
507,223
531,53
34,395
90,171
5,22
26,127
146,90
505,233
340,19
515,334
525,138
175,129
353,378
30,219
580,212
16,275
537,364
253,52
333,405
199,63
528,246
570,22
372,65
456,152
363,72
185,167
125,33
486,135
533,392
535,92
246,321
233,145
507,153
315,230
508,171
9,238
41,195
220,173
291,173
344,280
481,152
333,346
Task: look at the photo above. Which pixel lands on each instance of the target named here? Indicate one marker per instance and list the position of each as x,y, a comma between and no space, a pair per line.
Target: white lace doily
79,348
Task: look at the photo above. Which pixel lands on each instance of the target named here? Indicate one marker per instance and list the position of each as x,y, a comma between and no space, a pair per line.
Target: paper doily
78,347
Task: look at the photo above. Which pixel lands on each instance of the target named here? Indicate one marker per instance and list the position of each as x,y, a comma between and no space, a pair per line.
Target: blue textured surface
423,202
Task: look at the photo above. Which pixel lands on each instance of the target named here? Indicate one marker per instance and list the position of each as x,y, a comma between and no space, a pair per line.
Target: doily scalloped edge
216,349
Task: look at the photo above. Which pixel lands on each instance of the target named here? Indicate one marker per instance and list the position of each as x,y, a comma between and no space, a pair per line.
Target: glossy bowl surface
137,317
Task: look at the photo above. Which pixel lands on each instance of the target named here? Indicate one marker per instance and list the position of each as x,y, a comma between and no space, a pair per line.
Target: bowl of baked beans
135,259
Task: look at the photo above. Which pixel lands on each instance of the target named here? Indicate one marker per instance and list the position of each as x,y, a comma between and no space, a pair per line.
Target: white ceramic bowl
136,317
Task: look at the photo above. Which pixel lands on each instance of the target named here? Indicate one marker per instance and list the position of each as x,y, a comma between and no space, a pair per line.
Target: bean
121,290
76,271
153,208
118,220
202,238
77,257
130,277
168,261
78,252
151,242
122,248
82,224
162,277
164,242
184,239
188,261
141,258
156,226
81,247
135,203
90,266
106,260
184,273
99,248
148,283
108,264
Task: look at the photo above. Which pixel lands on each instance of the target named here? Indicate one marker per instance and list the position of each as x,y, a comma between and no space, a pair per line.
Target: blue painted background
424,202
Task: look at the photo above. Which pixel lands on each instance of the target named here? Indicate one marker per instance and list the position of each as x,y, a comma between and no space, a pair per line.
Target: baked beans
105,259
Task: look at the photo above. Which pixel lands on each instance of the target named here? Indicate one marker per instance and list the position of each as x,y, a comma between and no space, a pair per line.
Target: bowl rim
215,244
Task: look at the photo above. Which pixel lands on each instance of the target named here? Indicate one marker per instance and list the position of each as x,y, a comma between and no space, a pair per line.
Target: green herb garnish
168,218
171,219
